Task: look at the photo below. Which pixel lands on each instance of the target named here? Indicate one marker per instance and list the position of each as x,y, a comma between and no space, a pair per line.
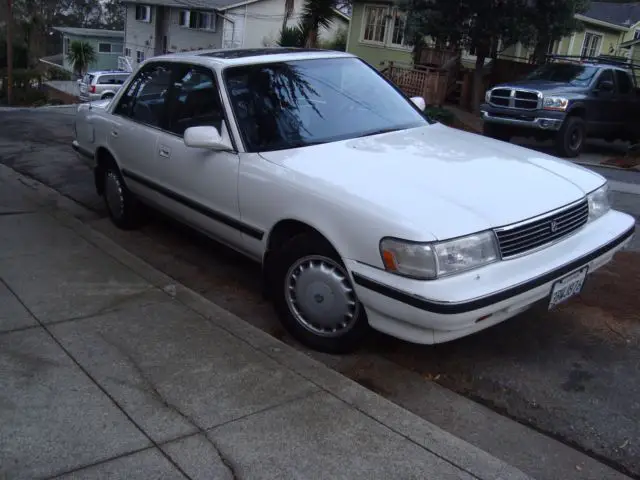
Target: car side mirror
605,86
419,102
205,137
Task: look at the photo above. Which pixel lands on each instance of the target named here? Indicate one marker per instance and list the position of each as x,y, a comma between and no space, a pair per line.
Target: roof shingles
621,14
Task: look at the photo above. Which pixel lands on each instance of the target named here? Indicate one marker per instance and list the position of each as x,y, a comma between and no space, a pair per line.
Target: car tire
124,209
497,132
314,296
571,137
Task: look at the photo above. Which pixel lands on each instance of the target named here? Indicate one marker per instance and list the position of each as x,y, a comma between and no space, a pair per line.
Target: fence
431,84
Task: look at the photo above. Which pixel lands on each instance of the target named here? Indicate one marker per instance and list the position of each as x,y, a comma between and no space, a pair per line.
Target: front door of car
137,121
603,105
201,182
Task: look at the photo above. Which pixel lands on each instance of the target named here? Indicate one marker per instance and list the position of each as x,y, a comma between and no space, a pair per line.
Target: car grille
523,237
511,98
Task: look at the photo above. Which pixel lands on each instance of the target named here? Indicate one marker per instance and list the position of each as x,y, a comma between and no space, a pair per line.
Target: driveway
571,374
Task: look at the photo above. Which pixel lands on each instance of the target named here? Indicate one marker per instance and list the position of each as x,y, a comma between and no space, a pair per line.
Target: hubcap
114,195
575,141
320,296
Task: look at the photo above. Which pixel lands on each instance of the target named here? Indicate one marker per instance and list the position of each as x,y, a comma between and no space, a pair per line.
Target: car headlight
487,96
555,103
432,260
599,202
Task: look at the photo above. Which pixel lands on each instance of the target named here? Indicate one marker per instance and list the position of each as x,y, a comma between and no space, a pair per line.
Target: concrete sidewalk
112,370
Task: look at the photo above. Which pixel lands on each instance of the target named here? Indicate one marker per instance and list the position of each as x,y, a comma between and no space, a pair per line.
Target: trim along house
155,27
376,34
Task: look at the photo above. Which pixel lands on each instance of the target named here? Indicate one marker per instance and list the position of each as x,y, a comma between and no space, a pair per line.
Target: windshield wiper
378,132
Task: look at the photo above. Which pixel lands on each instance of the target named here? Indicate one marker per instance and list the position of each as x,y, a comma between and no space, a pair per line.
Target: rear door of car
135,126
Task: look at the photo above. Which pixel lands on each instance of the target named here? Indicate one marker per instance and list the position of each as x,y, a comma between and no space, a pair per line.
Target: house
107,44
376,34
155,27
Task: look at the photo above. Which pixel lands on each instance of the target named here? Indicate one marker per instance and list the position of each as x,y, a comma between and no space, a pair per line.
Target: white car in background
362,211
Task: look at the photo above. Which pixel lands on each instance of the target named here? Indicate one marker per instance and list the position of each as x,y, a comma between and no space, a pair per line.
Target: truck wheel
498,132
571,137
314,297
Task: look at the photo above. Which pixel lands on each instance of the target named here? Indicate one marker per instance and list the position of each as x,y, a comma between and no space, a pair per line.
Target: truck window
606,76
624,82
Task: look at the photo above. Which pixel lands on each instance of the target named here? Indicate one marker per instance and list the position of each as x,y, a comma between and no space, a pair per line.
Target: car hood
438,180
543,86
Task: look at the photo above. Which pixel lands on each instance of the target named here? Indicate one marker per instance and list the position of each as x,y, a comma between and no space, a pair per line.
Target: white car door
136,125
200,183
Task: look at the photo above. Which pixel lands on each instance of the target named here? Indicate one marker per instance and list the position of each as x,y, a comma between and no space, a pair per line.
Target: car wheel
107,96
571,137
496,131
123,207
314,297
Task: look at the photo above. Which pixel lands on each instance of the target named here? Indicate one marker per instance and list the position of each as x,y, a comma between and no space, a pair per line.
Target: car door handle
164,152
114,133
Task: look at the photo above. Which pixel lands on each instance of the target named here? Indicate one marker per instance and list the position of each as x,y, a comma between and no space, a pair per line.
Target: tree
81,55
315,15
548,21
113,14
477,25
481,25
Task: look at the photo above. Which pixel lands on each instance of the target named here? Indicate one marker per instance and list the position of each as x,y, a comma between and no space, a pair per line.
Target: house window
143,13
127,52
67,45
104,47
375,24
399,26
197,20
636,35
591,45
139,56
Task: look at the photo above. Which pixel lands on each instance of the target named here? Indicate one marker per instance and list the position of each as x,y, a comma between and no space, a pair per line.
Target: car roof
248,56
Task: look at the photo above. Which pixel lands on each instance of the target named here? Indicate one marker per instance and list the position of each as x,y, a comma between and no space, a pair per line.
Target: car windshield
579,75
307,102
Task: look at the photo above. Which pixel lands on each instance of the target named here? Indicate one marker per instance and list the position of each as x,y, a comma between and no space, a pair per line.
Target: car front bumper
536,119
437,311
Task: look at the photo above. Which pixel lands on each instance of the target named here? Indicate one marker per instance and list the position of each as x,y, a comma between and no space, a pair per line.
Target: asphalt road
571,374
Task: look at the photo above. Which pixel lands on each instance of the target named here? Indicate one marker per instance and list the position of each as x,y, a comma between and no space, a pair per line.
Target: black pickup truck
566,102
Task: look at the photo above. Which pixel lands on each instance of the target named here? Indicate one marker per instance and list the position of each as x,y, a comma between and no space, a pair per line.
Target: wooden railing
429,83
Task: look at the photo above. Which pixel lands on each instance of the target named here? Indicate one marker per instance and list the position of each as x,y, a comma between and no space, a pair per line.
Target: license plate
83,88
567,287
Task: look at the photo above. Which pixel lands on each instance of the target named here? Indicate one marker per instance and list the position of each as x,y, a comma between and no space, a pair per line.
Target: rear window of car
87,78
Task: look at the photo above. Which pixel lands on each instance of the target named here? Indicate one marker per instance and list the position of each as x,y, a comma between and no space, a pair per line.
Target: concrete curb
423,433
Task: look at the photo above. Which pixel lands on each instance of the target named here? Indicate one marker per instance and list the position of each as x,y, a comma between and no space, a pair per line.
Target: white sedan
362,210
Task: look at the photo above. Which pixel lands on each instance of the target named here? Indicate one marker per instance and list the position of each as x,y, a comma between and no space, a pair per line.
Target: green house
107,44
376,34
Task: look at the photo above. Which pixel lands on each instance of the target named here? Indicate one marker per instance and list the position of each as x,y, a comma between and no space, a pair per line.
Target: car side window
624,82
196,101
606,76
145,98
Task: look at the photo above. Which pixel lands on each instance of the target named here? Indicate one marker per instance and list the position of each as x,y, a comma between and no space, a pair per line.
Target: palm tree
317,14
81,55
288,10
